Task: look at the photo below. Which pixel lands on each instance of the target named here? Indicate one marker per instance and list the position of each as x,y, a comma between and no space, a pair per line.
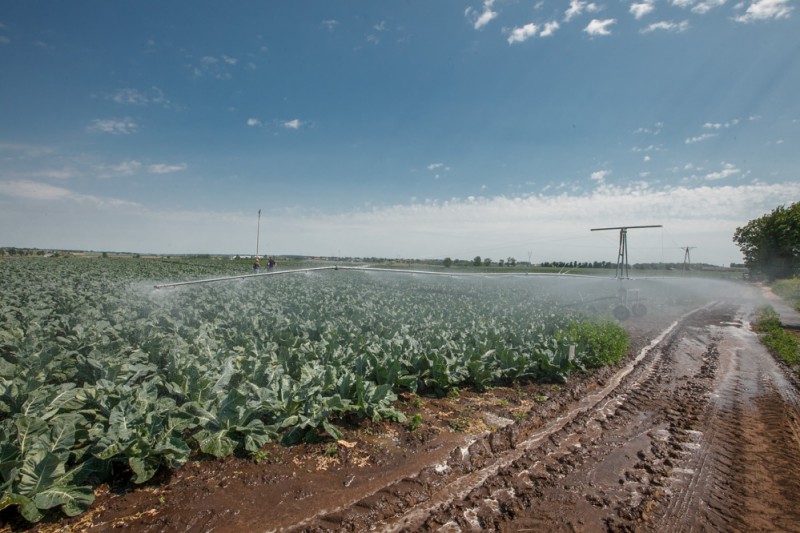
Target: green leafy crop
101,375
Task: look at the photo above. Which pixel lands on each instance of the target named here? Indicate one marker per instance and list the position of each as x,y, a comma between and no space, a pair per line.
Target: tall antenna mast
687,260
622,256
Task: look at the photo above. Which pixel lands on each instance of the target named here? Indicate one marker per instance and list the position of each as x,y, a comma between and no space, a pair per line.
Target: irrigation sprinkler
365,269
622,256
687,260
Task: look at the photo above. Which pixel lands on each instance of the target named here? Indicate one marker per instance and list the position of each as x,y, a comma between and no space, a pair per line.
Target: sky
407,129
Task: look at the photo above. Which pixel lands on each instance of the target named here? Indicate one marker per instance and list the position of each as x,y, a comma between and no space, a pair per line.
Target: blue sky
397,129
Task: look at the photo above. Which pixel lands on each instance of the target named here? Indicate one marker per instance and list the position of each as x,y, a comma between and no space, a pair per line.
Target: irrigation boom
363,269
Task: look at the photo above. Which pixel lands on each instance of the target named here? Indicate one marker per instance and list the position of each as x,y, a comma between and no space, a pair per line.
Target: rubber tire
639,309
621,312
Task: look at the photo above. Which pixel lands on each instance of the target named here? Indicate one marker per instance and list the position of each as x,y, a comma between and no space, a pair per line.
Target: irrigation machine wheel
621,312
639,309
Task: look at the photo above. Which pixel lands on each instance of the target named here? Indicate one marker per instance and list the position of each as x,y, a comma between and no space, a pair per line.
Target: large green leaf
217,443
73,500
40,470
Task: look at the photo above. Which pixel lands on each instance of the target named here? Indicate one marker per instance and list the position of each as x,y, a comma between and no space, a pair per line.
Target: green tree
487,262
447,262
771,244
477,261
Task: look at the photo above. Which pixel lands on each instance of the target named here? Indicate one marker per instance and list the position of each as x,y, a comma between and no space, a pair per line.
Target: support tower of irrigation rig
622,256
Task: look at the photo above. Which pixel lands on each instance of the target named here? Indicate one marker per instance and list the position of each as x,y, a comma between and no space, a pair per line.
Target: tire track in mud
702,433
512,479
742,470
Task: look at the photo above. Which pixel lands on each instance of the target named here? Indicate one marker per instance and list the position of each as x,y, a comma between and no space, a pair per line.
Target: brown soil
699,430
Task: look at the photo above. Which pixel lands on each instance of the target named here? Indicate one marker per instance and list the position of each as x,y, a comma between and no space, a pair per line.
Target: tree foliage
771,244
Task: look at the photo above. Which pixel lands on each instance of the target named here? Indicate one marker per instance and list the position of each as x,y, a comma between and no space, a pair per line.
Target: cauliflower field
102,375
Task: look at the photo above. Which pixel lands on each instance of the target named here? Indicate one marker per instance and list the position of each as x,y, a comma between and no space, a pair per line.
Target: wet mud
698,430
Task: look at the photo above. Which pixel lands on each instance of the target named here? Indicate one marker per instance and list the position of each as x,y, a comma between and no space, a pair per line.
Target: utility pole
687,260
258,231
622,256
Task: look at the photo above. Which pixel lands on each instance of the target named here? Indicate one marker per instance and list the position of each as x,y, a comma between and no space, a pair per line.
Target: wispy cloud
727,171
217,67
654,130
577,7
700,8
26,150
4,39
125,168
294,124
131,96
329,24
641,9
161,168
252,122
599,27
124,126
481,18
721,125
765,10
599,176
32,190
700,138
666,25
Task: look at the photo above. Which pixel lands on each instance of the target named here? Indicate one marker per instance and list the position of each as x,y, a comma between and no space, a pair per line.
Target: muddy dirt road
700,431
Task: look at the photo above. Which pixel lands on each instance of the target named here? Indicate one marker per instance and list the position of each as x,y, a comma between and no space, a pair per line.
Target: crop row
101,373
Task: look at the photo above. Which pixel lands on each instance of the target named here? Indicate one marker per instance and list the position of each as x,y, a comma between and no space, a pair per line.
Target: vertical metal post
258,231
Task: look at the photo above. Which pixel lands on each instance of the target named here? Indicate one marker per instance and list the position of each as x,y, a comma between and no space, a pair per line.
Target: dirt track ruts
701,434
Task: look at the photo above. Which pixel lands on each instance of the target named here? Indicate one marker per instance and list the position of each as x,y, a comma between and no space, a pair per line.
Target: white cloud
329,24
434,166
599,176
214,67
33,190
26,150
484,17
126,168
123,126
707,5
655,130
720,125
641,9
161,168
577,7
599,27
130,96
700,138
381,26
4,39
700,8
549,29
765,10
42,192
727,171
522,34
292,124
667,25
253,122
